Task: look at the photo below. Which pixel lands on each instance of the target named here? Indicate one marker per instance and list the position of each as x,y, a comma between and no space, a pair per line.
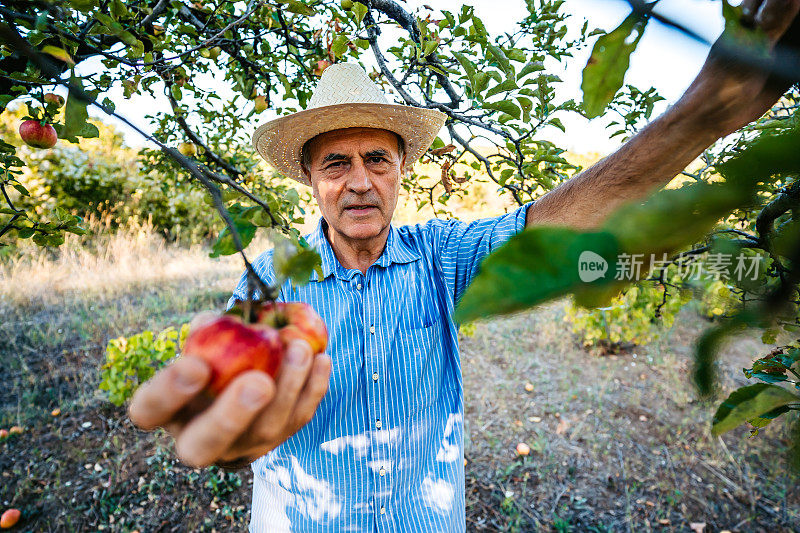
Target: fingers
202,318
210,435
159,399
271,424
775,17
749,12
313,392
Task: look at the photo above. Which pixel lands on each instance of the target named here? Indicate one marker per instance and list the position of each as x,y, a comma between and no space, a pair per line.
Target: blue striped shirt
385,450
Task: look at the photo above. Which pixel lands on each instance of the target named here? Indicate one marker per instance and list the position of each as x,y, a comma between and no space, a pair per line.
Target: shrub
130,361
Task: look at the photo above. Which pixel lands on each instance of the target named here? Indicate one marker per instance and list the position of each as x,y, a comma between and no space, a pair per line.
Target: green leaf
508,85
360,11
516,277
468,66
505,106
533,66
605,72
225,244
339,45
58,53
294,261
75,117
746,403
300,8
501,59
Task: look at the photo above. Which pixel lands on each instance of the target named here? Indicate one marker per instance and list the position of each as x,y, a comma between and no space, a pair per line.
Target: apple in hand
295,320
230,344
38,135
231,347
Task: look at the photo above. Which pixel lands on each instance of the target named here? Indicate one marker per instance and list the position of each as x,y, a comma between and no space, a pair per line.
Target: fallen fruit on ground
3,434
529,387
9,518
55,412
230,344
34,133
523,449
15,430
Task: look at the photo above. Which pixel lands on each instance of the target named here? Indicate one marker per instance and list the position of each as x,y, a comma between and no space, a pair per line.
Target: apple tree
218,65
739,210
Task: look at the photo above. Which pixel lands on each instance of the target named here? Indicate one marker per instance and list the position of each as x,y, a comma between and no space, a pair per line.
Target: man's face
355,176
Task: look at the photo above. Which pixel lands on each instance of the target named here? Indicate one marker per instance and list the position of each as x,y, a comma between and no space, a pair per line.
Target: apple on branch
38,134
53,98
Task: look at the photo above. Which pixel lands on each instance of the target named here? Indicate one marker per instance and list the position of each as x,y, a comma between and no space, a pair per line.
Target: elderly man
370,437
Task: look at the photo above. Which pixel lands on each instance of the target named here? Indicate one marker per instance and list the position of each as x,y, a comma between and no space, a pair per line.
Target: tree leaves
536,265
604,74
748,403
75,117
530,258
294,260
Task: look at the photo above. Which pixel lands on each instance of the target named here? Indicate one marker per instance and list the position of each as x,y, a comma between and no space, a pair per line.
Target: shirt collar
396,251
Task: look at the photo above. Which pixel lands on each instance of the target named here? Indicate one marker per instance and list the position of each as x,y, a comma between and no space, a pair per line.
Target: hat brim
279,141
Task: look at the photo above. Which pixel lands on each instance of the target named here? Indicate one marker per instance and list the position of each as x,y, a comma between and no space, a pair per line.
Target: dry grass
106,262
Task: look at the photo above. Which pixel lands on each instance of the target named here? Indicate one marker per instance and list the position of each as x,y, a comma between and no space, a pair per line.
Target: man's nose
358,179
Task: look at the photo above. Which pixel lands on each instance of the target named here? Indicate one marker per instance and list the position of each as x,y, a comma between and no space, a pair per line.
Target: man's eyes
375,160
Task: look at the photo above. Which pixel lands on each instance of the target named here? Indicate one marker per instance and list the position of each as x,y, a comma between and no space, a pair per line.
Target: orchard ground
618,443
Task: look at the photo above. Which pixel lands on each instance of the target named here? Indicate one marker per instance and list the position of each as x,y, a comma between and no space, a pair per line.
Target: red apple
9,518
321,66
231,347
53,98
295,320
3,434
37,135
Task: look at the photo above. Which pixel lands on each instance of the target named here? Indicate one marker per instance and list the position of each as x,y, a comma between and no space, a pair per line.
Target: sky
665,59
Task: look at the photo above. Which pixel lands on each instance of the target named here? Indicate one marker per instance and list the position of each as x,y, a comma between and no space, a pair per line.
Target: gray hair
305,153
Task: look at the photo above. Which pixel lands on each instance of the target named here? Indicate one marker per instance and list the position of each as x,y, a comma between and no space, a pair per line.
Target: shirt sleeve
459,247
263,267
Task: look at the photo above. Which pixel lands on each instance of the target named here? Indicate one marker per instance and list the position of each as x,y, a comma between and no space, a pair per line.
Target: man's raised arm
723,97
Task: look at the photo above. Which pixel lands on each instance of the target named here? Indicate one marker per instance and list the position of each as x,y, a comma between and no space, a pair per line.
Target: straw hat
345,98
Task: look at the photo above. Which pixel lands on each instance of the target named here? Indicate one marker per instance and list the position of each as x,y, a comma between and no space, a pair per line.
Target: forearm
648,161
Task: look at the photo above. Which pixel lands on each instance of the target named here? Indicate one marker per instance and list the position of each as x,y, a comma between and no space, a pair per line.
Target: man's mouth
359,209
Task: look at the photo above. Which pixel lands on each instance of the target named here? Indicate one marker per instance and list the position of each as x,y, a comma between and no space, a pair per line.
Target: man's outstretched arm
723,97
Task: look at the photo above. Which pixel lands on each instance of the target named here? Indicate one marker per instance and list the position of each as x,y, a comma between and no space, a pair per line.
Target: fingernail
252,396
295,354
191,376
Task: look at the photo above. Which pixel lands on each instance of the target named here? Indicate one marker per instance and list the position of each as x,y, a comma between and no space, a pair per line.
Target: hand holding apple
246,411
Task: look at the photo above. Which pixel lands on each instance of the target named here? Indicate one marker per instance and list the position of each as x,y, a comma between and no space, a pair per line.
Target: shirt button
383,510
382,471
372,329
358,286
375,376
378,424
